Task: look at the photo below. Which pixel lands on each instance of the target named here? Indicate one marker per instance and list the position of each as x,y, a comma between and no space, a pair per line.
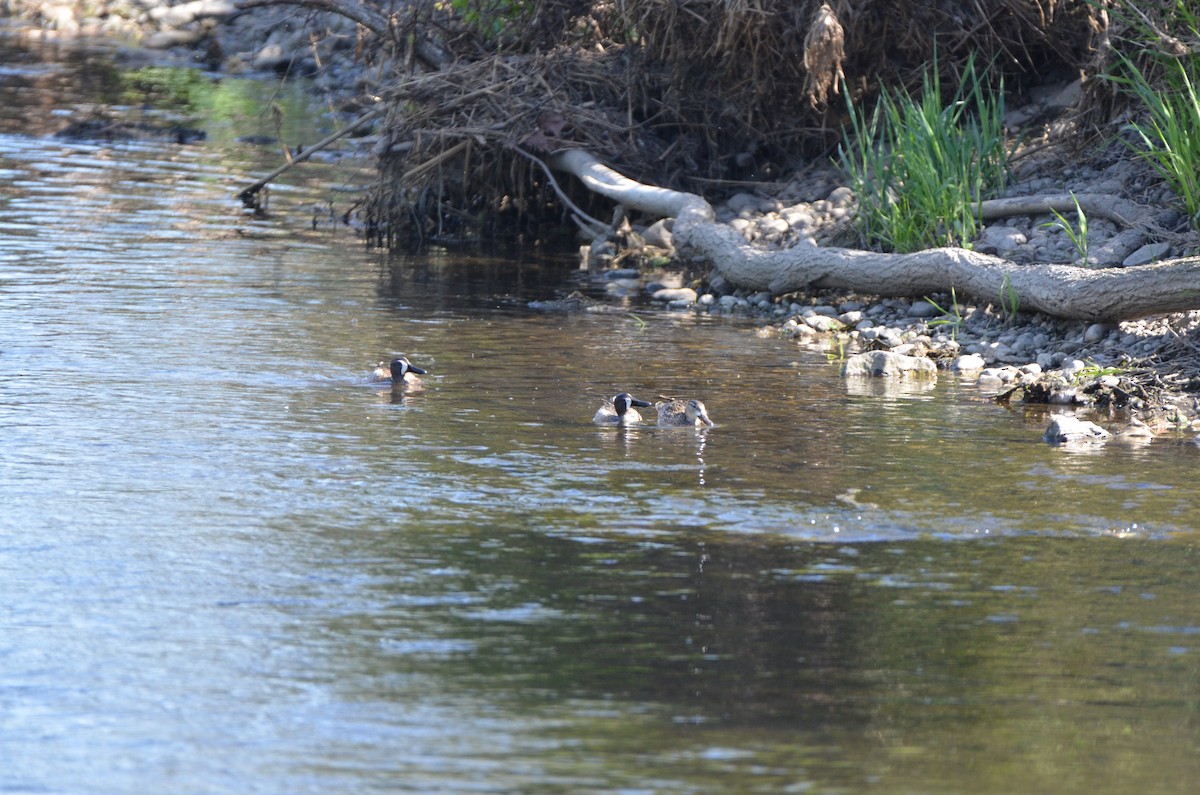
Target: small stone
1151,252
706,300
923,309
1095,332
728,301
841,197
622,273
851,318
1065,429
885,364
1072,368
823,323
676,294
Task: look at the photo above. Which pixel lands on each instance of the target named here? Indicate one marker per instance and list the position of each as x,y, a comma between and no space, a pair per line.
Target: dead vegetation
699,95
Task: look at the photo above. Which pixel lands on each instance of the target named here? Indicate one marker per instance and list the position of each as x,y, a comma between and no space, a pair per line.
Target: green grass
1076,232
918,167
951,318
1165,84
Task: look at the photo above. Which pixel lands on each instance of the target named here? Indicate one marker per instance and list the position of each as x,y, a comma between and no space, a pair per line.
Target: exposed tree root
1062,291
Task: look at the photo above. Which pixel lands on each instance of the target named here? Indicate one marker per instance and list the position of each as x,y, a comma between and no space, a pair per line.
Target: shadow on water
229,563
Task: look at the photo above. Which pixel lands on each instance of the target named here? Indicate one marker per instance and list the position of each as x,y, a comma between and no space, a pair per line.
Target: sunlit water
228,563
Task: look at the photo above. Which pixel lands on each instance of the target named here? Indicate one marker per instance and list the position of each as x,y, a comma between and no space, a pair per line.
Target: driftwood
249,195
1062,291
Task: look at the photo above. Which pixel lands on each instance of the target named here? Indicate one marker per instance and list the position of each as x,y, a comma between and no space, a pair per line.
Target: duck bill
641,404
703,417
417,370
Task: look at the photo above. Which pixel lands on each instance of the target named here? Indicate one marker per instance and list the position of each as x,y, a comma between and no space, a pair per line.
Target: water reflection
219,541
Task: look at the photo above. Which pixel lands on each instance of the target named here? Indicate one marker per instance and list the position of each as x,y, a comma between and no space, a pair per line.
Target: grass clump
1163,79
1076,232
920,167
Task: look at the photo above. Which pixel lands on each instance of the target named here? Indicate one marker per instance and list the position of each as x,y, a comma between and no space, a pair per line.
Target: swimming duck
400,372
620,411
682,412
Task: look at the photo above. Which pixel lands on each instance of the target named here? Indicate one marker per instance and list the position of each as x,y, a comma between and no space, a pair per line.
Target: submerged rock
886,364
1065,429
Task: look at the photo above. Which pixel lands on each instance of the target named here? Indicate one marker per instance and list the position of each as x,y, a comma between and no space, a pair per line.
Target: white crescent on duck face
399,371
620,410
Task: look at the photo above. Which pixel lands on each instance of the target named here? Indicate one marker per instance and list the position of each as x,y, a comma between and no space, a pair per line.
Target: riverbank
1148,369
1139,377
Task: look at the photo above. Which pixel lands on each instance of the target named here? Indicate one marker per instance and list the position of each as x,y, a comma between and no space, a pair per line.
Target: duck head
624,401
401,366
695,411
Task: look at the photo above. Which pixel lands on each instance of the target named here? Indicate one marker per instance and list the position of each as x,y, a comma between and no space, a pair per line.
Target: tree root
1063,291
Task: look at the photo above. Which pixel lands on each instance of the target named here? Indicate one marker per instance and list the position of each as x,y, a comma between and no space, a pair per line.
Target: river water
228,563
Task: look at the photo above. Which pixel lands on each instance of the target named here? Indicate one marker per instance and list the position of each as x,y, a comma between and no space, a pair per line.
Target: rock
744,202
885,364
658,234
1095,332
923,309
1151,252
1065,429
823,323
1136,432
622,273
1002,239
671,294
841,197
718,284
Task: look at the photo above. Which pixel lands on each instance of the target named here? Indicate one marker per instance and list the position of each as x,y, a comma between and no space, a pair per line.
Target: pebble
969,362
673,294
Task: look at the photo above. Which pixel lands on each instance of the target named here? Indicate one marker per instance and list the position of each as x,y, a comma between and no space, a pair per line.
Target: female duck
400,372
682,413
620,410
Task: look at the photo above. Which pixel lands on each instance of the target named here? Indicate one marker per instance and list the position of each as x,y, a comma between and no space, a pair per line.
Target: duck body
620,410
399,372
682,413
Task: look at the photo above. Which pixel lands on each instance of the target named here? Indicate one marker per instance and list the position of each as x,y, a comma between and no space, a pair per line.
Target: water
230,564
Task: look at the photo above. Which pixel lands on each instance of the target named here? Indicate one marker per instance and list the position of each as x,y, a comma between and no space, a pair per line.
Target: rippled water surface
228,563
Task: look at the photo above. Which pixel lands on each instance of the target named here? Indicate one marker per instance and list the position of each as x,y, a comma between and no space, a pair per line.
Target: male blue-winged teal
399,372
620,410
679,413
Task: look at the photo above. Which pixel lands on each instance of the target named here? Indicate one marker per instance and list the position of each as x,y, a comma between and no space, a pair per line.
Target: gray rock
670,294
1095,332
718,284
1002,239
1065,429
823,323
658,234
923,309
885,364
744,202
841,197
1151,252
728,301
851,318
622,273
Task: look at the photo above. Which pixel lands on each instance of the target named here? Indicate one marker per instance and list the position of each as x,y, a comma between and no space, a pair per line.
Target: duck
620,410
678,413
399,372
